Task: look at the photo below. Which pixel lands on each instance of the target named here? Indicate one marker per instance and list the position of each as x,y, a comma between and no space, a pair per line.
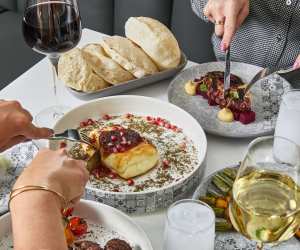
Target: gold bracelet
24,189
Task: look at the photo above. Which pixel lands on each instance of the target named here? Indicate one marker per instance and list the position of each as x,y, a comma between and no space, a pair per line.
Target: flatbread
76,73
155,39
104,66
129,56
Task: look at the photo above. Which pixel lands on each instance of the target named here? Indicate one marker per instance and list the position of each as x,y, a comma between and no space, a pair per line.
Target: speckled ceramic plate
157,192
105,222
233,240
265,102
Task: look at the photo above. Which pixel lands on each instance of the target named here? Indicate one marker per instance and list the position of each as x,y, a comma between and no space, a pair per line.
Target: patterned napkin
19,156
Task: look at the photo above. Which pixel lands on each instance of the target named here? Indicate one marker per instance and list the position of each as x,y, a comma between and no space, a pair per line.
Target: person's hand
16,125
58,172
228,16
297,63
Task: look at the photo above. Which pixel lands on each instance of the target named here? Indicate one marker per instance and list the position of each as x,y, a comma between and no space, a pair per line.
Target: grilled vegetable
220,184
221,203
209,200
219,212
223,226
226,179
78,226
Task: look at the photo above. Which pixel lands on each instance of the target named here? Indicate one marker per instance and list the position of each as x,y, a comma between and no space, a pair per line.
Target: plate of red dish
199,90
91,226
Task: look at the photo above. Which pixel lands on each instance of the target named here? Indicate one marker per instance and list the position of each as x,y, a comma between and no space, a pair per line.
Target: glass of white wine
265,204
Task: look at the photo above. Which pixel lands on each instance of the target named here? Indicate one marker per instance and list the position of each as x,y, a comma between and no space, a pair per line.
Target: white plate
144,201
266,97
111,219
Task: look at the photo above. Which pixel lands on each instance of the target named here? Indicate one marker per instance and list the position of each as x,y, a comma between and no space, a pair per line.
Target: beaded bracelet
24,189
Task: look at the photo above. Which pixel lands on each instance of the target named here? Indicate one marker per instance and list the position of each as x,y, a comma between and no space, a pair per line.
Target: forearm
198,7
37,222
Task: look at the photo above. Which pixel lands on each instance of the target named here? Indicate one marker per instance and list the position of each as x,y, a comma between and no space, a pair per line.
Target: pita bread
129,56
76,73
104,66
155,39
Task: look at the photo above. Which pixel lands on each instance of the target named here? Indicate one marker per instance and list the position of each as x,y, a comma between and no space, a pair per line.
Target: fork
291,75
72,135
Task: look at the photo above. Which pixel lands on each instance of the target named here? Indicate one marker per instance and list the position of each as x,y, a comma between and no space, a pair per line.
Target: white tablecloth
34,90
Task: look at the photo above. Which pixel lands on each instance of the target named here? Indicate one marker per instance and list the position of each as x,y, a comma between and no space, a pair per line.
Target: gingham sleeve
198,7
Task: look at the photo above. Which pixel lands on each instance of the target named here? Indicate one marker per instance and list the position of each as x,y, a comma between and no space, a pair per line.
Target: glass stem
54,62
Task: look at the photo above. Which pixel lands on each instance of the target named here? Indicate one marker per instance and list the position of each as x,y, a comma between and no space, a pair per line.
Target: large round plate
114,224
266,100
156,198
234,240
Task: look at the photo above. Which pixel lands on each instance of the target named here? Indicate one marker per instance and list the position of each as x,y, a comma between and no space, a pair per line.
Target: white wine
265,206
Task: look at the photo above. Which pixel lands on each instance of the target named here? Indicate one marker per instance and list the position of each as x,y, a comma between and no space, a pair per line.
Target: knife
227,71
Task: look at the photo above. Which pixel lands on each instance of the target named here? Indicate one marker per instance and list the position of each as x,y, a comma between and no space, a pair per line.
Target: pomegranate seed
106,117
115,150
112,176
168,125
161,123
113,138
121,133
90,122
149,118
130,182
166,163
62,145
83,124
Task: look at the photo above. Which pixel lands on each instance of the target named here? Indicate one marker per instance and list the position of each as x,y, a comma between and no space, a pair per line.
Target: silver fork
72,135
291,75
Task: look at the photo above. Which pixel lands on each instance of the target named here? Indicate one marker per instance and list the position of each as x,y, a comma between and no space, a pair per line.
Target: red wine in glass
51,27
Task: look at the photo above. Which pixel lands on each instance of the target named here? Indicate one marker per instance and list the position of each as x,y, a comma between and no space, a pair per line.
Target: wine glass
51,27
265,204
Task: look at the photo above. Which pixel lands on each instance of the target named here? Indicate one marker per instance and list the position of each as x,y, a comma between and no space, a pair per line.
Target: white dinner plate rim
7,217
201,159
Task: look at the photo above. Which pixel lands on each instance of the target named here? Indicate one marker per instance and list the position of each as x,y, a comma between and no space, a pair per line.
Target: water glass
190,225
288,120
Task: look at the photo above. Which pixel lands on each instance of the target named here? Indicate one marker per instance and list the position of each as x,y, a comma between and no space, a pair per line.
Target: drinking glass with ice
190,225
287,125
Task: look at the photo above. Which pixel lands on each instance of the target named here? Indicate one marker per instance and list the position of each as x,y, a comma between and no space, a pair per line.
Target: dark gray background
107,16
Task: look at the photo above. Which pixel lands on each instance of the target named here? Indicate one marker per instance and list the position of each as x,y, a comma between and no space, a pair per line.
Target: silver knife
227,70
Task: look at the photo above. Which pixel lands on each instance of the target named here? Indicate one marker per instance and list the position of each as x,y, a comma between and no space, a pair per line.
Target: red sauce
119,140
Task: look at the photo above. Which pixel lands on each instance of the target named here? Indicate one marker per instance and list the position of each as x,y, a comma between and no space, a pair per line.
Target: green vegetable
234,95
230,172
223,226
221,185
203,87
226,179
209,200
219,212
